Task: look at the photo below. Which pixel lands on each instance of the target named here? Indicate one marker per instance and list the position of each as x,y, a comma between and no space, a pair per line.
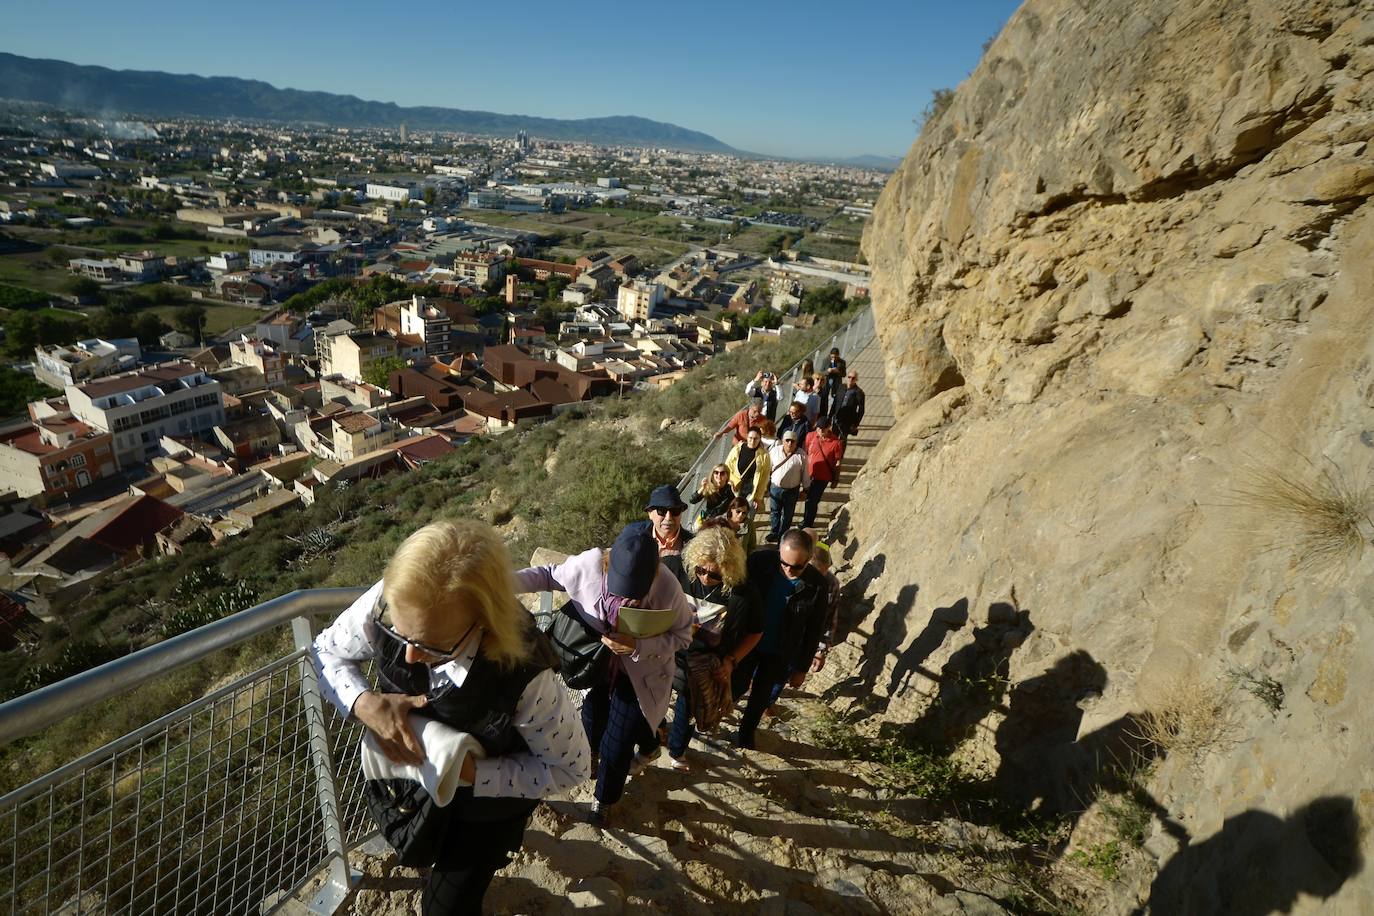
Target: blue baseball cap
634,561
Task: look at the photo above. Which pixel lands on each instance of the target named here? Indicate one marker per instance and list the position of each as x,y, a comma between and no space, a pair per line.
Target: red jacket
823,456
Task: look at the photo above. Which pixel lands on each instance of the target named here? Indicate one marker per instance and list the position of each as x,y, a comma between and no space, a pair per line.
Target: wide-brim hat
634,561
666,497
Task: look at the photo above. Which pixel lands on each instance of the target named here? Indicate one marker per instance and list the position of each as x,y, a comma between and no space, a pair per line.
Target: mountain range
151,93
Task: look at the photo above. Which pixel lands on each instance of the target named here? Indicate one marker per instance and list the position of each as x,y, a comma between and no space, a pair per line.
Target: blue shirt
774,605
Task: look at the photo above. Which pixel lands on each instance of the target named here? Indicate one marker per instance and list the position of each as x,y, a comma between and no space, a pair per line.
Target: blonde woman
716,491
452,643
715,562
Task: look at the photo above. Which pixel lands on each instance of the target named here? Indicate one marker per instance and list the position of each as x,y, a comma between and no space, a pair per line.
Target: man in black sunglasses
795,598
665,508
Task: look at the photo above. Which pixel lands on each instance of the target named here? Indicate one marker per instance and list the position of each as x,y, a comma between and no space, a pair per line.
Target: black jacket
803,621
848,408
770,398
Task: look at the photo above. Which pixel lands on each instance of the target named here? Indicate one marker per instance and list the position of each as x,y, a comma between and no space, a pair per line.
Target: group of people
784,459
451,644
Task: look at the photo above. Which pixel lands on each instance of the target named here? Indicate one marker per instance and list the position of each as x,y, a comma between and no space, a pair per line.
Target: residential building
636,300
356,434
266,257
480,266
352,354
61,366
263,355
325,335
103,270
428,321
226,262
141,407
142,266
53,456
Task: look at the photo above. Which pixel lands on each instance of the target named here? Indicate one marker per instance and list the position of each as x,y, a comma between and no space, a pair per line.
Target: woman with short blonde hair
452,644
458,570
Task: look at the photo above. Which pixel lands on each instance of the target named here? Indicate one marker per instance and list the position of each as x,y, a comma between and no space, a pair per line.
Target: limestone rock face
1125,279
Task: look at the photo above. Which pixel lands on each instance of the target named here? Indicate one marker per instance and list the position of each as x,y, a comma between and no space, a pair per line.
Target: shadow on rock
1259,863
974,680
942,622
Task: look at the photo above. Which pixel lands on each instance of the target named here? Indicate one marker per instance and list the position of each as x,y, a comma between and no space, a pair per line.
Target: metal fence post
336,888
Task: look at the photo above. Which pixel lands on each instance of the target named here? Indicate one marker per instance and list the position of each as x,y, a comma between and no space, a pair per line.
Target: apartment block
138,409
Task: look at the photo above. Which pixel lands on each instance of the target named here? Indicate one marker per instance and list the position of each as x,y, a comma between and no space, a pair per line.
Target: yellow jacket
763,468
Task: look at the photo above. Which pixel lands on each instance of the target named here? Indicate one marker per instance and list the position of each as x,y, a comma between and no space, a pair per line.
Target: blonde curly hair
716,544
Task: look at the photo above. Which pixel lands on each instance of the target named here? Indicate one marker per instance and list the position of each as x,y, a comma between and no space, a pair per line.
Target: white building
227,262
394,192
138,409
636,300
84,360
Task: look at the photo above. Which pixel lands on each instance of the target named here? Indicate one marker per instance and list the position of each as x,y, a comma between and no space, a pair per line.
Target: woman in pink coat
617,714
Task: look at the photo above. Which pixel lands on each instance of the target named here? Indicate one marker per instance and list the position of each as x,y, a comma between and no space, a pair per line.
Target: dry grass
1327,519
1190,717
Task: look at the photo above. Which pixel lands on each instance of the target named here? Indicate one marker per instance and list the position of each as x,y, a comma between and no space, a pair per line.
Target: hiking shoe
597,815
642,761
681,764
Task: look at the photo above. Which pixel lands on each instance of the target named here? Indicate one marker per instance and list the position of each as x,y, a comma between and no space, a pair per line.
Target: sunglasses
673,512
793,567
712,575
382,618
722,473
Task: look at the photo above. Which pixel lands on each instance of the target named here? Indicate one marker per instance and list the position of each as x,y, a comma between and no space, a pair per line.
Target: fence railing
229,805
854,336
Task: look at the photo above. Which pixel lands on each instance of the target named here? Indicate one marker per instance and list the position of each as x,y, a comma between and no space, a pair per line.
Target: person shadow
974,680
1041,761
1259,863
942,622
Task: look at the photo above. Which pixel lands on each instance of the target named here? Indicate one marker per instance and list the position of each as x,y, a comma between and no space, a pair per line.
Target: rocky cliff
1119,534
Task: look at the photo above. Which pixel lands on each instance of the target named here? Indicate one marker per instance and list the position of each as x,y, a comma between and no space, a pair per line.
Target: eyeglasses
793,567
657,511
382,618
712,575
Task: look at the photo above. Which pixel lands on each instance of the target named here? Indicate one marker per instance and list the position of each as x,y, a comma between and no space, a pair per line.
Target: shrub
1323,516
1190,717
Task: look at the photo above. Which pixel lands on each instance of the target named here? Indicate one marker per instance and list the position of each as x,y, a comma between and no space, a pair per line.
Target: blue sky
798,79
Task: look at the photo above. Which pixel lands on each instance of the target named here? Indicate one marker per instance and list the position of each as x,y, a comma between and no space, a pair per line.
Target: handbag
583,659
408,818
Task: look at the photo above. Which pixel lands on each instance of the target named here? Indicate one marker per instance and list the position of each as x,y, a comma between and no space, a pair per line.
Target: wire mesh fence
208,810
229,805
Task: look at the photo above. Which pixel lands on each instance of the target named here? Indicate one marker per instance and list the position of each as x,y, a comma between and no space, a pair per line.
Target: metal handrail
231,804
854,335
33,712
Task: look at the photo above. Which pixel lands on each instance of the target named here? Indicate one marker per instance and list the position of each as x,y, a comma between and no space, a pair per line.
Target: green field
218,318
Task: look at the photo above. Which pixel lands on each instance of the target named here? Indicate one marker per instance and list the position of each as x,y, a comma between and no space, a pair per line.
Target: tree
429,197
190,319
19,388
379,372
148,327
825,300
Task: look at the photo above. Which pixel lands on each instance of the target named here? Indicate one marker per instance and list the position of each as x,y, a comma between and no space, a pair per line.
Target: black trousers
767,673
614,725
472,854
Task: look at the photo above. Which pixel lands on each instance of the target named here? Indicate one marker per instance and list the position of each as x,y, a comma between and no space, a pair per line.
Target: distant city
207,321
